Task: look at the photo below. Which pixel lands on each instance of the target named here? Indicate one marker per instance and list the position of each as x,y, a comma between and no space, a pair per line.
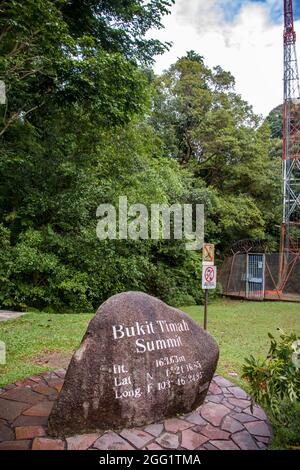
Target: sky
242,36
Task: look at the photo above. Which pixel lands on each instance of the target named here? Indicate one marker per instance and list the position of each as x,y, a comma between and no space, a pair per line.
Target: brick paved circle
223,422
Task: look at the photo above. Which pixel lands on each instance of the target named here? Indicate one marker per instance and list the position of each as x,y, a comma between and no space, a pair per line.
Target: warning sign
208,256
209,277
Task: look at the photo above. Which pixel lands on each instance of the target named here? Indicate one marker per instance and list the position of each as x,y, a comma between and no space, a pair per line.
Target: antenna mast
290,232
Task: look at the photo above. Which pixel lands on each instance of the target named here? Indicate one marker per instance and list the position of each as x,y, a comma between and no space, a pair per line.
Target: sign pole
205,309
209,275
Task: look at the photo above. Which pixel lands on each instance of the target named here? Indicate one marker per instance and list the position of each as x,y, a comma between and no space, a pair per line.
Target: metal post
205,308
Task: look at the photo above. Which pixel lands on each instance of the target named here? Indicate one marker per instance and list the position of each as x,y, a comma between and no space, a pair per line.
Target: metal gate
255,280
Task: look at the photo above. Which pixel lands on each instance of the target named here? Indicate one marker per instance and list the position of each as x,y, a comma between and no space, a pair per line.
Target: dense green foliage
274,120
275,383
287,428
212,132
276,378
87,122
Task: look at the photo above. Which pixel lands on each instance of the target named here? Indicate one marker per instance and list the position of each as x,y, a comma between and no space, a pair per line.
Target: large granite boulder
140,361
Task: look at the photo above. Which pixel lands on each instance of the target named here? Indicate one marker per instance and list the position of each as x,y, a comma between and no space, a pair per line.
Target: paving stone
175,425
261,445
239,402
195,418
191,440
15,445
154,446
214,389
259,428
214,398
244,440
199,428
222,382
231,425
11,409
238,392
227,404
31,421
168,440
136,437
49,376
154,429
28,432
6,433
19,383
214,413
263,439
81,442
112,441
24,395
224,445
243,417
44,443
56,384
9,387
9,315
214,433
228,425
36,378
46,390
40,409
60,373
257,412
209,446
28,383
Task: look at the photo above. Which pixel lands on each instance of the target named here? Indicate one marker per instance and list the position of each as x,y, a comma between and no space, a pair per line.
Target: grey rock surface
140,361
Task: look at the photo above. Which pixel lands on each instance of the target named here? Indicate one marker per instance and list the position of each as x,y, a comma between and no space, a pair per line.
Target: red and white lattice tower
291,140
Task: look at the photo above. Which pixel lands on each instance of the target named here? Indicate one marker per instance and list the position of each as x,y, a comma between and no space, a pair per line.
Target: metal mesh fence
275,281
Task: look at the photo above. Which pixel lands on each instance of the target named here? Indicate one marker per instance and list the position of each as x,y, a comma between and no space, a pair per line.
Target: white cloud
250,47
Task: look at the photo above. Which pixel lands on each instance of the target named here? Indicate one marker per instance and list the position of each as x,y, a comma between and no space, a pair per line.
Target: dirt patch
55,359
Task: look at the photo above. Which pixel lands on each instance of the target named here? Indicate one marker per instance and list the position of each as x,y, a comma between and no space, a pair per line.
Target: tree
76,52
85,123
70,139
275,121
52,258
212,132
119,25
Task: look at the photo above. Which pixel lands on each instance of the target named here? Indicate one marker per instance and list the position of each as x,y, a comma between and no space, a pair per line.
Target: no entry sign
209,277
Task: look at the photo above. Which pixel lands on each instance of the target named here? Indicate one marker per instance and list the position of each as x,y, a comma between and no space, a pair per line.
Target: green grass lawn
35,335
239,327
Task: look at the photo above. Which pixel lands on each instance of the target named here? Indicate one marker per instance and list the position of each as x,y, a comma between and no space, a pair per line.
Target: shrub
287,429
275,380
